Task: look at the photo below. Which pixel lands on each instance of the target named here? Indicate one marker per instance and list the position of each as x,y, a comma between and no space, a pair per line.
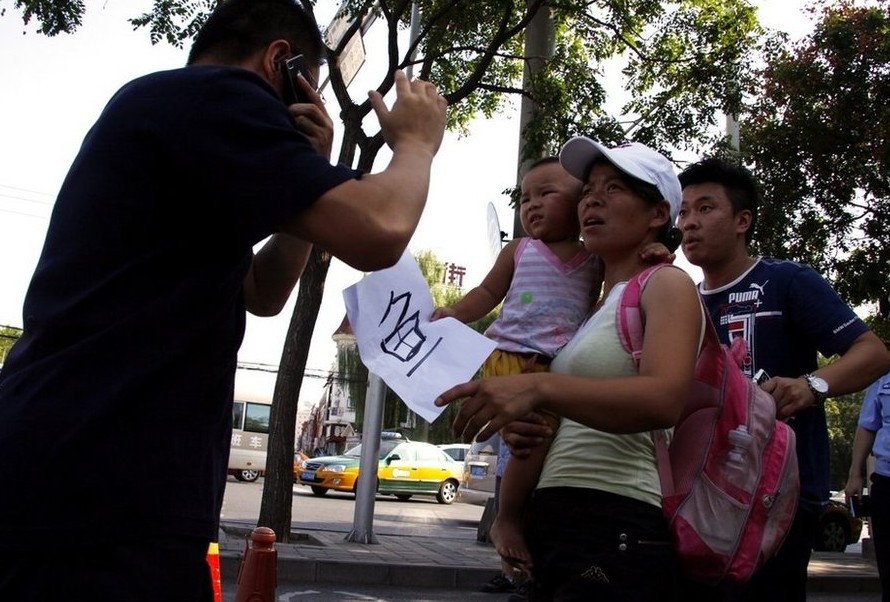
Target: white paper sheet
389,312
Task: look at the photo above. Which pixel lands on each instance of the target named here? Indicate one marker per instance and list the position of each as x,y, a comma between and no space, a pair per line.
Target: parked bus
250,428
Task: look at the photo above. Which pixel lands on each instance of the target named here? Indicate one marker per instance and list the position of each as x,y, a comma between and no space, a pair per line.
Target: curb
842,573
414,561
301,571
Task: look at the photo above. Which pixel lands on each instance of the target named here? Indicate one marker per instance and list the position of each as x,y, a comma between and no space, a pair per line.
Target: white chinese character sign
389,312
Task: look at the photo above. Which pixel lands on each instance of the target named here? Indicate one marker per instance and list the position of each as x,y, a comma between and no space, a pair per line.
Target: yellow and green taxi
405,469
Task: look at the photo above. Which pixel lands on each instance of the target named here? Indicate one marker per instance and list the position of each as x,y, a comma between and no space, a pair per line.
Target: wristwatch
818,386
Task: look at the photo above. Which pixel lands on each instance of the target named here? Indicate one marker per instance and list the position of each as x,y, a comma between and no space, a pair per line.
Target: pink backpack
729,476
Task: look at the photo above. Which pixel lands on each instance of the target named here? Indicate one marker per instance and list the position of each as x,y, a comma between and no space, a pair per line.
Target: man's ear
272,56
743,220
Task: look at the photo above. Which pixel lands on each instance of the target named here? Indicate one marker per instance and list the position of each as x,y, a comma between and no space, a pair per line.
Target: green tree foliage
53,16
682,61
881,327
434,272
817,135
841,416
8,336
818,138
352,375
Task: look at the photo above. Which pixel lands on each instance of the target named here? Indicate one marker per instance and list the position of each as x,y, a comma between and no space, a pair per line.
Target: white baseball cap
634,159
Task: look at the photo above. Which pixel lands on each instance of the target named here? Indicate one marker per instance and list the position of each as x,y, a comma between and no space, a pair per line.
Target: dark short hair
740,184
543,161
238,28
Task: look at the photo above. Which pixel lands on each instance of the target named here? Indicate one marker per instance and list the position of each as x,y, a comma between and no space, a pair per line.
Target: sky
54,89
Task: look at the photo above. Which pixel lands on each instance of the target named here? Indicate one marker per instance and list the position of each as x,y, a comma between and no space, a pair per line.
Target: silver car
477,484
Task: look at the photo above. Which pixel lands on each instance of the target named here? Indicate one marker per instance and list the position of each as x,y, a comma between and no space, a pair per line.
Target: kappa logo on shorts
595,573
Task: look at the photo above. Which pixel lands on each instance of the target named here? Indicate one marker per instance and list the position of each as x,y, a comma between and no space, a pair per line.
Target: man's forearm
862,442
274,273
865,361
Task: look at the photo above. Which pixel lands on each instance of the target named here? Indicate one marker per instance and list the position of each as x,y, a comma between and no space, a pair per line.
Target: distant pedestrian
873,436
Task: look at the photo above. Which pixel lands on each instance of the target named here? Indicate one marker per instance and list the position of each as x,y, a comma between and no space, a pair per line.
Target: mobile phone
760,377
290,68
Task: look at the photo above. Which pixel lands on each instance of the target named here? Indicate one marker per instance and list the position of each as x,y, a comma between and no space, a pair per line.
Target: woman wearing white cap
596,531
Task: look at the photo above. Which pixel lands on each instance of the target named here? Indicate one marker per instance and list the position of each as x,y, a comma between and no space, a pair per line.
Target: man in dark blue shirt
787,313
136,310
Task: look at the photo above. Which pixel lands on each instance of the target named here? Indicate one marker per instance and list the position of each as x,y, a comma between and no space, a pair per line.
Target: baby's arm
485,297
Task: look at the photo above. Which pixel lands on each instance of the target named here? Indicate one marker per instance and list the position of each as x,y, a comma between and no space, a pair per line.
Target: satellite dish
495,241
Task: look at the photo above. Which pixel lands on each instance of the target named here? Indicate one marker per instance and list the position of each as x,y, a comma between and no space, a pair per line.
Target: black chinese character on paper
405,340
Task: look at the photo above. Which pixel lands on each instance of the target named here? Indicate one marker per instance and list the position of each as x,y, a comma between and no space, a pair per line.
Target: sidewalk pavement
442,556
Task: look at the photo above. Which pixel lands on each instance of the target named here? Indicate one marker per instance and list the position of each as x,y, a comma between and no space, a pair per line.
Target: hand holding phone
306,109
290,68
760,377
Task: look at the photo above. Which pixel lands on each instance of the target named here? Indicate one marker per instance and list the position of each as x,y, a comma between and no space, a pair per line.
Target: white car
458,451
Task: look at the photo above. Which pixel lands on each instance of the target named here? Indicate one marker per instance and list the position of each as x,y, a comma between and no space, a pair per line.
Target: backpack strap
630,324
629,319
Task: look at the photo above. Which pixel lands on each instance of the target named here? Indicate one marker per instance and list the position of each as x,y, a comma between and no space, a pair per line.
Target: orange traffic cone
258,575
213,561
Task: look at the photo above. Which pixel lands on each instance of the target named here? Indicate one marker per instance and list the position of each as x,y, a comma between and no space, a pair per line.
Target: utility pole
540,36
732,131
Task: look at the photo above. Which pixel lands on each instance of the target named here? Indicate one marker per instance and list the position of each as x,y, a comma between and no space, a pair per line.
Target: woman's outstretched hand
490,403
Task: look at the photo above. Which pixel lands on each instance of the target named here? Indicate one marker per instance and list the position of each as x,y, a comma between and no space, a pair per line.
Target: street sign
353,56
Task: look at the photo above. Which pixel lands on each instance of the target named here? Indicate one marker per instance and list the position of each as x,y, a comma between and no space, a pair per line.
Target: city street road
242,503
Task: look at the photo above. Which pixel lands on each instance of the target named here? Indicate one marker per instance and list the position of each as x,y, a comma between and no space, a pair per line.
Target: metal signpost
372,425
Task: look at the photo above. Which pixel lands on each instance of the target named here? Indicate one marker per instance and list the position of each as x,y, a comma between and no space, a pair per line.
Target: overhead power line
13,199
307,373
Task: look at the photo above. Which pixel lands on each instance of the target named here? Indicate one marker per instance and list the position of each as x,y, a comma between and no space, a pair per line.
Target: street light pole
372,425
732,130
366,484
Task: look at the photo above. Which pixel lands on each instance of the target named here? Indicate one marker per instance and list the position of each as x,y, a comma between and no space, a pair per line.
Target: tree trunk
275,508
540,37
